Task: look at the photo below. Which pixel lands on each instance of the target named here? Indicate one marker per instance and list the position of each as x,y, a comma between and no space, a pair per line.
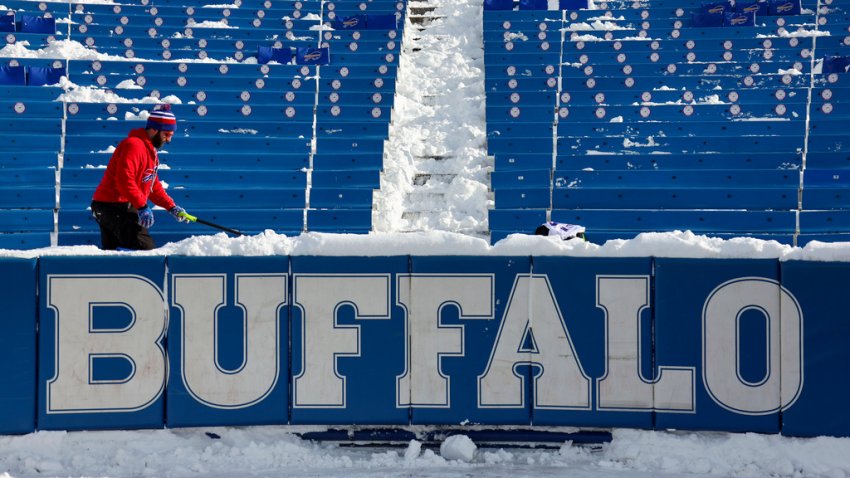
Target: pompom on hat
161,118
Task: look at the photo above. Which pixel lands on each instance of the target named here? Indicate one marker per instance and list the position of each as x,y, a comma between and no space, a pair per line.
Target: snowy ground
274,451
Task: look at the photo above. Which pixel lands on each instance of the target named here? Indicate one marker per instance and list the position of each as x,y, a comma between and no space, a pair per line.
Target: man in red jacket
120,203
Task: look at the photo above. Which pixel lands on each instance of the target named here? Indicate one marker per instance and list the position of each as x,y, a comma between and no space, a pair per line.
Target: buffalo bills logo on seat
716,9
739,20
350,22
751,8
313,55
785,7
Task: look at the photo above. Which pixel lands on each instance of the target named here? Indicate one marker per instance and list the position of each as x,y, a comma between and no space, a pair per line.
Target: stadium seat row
636,119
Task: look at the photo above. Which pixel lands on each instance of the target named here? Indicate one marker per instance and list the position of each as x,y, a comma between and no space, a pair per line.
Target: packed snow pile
276,451
662,244
458,447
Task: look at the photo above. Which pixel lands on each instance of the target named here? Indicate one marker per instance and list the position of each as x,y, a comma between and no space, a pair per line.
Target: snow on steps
436,173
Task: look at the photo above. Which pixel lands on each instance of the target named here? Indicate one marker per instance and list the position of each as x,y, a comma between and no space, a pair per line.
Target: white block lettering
423,296
622,387
73,298
721,347
561,383
199,296
323,339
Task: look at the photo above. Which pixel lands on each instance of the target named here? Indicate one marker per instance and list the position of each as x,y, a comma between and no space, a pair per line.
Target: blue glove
175,211
146,217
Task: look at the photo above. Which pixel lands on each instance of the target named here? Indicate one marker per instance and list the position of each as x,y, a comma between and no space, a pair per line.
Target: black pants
119,226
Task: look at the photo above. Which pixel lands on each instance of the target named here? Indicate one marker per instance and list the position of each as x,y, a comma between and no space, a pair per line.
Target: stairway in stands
435,176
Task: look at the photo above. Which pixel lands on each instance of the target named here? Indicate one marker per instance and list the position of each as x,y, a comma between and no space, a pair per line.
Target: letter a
561,383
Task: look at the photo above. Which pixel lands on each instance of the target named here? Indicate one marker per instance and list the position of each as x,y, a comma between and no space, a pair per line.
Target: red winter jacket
131,174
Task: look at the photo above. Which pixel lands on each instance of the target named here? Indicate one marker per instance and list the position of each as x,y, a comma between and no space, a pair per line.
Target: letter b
78,343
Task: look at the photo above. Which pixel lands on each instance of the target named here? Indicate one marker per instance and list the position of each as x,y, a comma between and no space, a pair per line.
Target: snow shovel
192,218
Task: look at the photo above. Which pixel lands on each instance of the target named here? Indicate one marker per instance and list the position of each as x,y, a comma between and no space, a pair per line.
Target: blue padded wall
821,408
101,360
18,342
229,361
464,335
574,283
684,287
661,343
348,340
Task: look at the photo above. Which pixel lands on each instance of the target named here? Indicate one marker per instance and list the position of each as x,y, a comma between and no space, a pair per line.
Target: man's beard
157,141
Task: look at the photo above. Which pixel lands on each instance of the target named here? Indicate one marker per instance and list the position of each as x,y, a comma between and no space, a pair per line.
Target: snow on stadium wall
144,342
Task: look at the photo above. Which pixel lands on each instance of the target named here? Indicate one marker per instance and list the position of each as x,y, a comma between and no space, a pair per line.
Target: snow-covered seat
698,221
507,221
360,129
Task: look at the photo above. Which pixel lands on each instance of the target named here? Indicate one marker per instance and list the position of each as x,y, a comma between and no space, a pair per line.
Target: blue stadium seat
266,54
643,96
7,21
33,24
232,116
12,75
348,161
357,221
340,198
44,75
365,178
515,220
26,220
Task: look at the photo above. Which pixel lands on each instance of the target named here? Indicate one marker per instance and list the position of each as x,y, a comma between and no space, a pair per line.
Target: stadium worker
564,231
120,203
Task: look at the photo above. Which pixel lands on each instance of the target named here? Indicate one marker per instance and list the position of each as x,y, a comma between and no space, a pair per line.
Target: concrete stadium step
421,13
421,179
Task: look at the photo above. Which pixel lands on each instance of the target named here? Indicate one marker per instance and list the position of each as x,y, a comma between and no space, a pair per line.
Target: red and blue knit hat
161,118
